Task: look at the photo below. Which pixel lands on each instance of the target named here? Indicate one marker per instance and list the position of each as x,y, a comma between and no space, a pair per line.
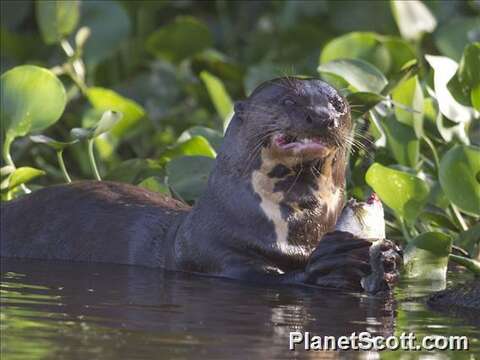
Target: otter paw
340,261
391,257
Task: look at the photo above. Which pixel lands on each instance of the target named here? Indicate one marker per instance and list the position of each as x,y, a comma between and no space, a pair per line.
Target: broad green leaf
219,96
410,94
365,46
426,256
402,141
459,177
57,18
467,79
154,184
452,37
196,146
413,18
409,69
444,69
405,194
33,98
358,73
182,38
109,24
401,52
134,171
105,99
54,144
20,176
362,102
215,138
188,175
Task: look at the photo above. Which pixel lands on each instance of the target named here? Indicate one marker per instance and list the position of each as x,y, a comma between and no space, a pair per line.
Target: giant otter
276,191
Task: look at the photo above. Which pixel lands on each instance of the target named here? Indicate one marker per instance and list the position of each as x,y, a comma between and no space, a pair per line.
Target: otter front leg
342,260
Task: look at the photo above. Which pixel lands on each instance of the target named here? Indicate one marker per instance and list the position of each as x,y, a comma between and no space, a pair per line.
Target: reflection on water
52,310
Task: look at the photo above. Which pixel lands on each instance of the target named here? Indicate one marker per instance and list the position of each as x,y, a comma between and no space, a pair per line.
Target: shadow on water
53,310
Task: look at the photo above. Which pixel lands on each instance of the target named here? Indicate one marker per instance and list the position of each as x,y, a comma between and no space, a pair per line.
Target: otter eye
337,103
289,102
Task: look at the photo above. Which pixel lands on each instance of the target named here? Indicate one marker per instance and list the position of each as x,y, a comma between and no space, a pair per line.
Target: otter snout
322,117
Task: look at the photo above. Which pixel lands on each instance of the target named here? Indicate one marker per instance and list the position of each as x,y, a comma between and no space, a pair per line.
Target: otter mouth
300,145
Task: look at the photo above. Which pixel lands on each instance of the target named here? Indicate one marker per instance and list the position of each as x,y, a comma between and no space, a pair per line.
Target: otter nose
320,116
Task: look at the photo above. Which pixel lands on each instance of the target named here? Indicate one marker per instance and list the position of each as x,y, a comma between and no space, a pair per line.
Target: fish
366,220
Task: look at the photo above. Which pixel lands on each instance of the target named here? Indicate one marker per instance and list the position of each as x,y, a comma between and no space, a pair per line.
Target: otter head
293,121
290,140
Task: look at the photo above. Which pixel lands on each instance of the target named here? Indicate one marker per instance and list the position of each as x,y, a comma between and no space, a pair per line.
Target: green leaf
196,146
20,176
215,138
219,96
57,18
452,37
362,102
134,171
467,78
475,98
54,144
426,256
444,69
105,99
358,73
182,38
410,94
409,69
109,25
404,193
188,175
33,98
365,46
413,18
401,52
402,141
459,177
152,183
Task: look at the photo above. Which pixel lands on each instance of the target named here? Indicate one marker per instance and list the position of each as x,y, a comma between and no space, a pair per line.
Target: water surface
55,310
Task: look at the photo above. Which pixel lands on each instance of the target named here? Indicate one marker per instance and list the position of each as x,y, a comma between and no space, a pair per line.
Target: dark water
84,311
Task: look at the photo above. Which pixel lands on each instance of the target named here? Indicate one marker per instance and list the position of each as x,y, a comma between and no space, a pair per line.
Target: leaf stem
62,166
404,229
470,264
9,161
459,217
434,152
91,157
